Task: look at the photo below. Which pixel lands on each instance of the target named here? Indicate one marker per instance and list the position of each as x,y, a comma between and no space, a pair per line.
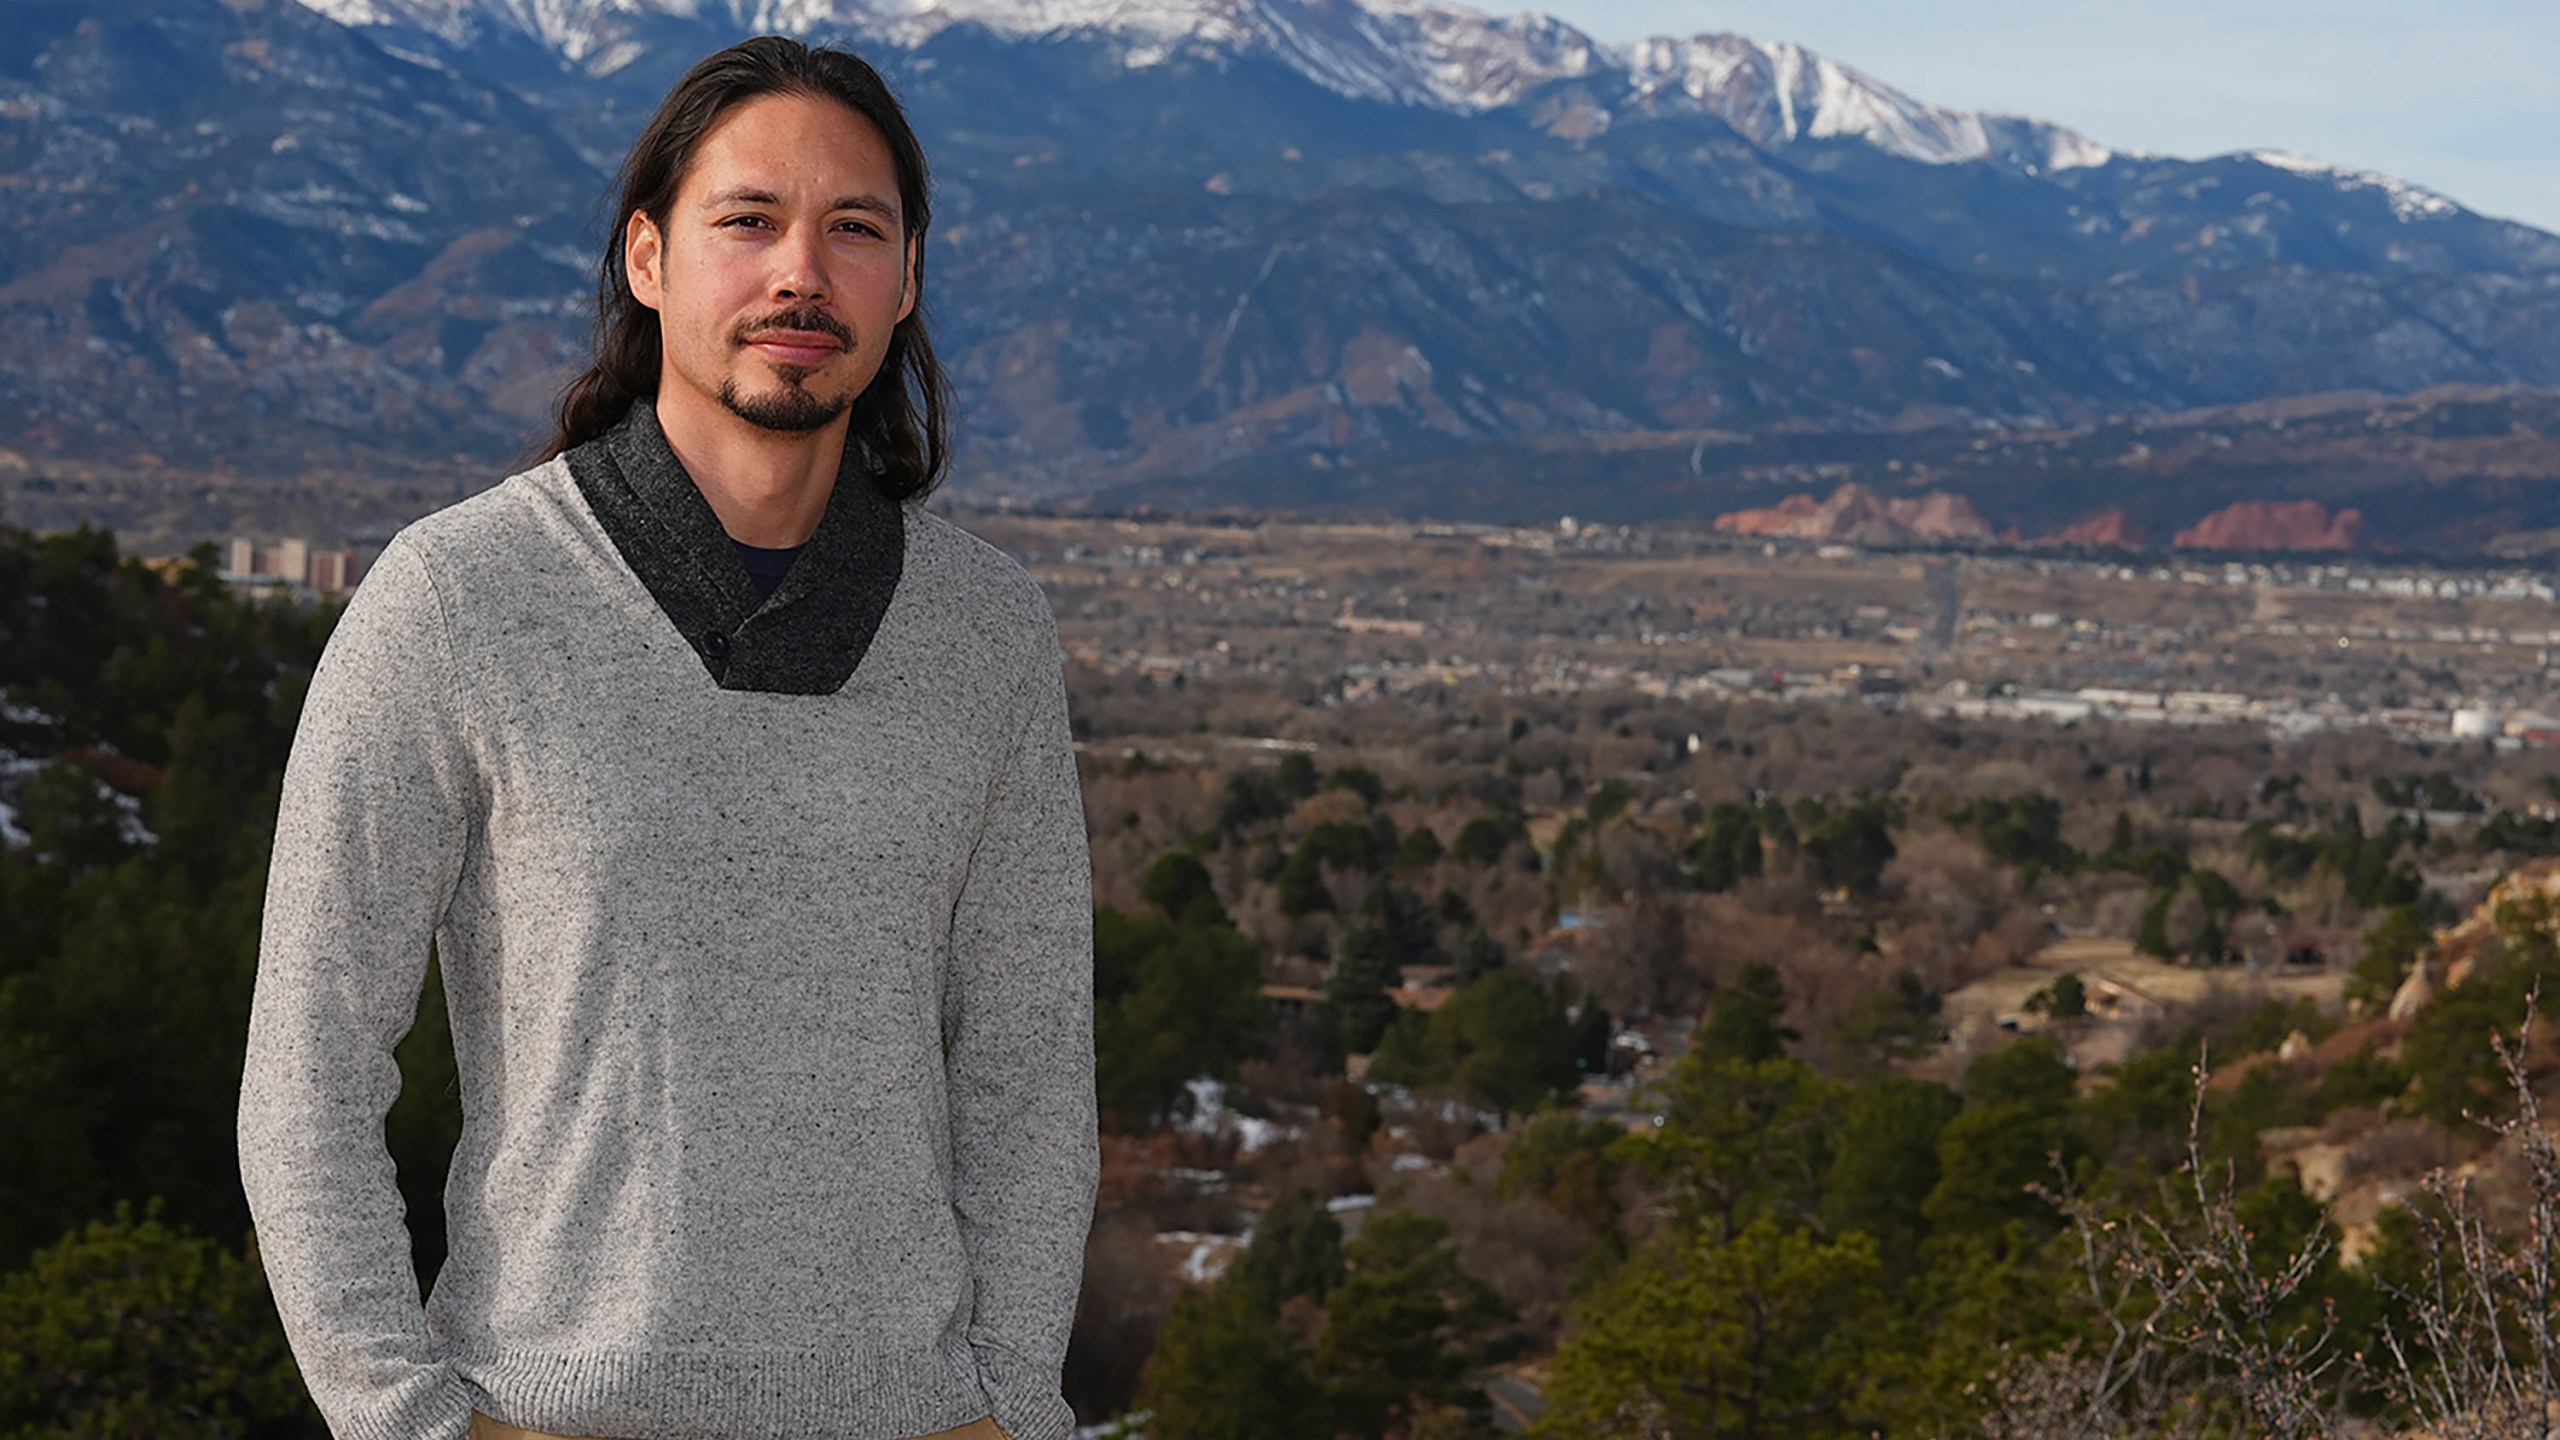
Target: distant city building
2477,724
1359,624
291,561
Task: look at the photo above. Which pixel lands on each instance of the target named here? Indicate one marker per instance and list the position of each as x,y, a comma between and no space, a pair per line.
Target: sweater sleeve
377,809
1019,1020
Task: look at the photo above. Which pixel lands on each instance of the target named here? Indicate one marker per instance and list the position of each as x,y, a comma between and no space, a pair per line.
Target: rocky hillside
2275,525
2446,471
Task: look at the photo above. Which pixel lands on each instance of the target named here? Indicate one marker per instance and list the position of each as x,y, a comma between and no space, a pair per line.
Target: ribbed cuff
442,1412
1024,1396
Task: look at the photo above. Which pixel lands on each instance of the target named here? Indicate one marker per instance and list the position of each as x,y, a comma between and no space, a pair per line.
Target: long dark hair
899,419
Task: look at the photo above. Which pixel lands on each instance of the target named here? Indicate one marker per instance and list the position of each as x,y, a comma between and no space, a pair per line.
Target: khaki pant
484,1428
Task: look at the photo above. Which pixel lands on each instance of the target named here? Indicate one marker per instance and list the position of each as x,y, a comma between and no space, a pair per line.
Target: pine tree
1225,1369
1404,1326
130,1327
1746,1023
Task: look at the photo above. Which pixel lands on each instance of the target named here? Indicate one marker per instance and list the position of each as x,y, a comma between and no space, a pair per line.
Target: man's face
781,268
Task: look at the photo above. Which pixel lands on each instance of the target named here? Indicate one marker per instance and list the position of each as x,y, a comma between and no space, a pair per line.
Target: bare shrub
1950,915
2114,903
2193,1322
1638,966
2483,1358
1728,934
2019,934
1324,1157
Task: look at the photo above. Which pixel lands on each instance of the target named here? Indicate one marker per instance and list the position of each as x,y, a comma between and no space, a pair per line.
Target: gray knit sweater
765,929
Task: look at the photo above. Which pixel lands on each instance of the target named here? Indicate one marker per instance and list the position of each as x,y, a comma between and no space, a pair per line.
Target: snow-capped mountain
1403,52
1775,94
1226,240
1393,50
2408,202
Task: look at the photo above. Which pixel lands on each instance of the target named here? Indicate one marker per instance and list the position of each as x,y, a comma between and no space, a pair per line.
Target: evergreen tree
1570,1163
1360,780
1851,848
128,1327
1404,1326
1769,1333
1225,1369
1171,1003
1419,849
2018,1107
1483,840
1592,1032
1740,1140
1178,885
1394,929
1727,851
2391,949
1479,955
1499,1040
1886,1164
1296,775
1746,1021
1296,1250
1356,989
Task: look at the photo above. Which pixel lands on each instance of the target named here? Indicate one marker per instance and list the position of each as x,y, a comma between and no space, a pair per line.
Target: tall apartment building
291,561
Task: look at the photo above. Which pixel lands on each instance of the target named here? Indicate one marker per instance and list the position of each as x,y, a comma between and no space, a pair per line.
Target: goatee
790,410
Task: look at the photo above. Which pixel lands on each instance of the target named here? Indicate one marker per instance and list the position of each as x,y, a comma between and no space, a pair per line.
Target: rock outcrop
1859,515
2109,529
2274,525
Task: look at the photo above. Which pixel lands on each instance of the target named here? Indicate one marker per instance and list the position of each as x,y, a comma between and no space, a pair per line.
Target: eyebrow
749,195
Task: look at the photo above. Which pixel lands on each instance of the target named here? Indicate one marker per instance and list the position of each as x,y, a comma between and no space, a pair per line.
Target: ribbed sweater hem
739,1394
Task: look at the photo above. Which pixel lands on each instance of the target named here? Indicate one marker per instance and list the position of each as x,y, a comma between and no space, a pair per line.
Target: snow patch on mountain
2042,148
1405,52
2408,202
1775,94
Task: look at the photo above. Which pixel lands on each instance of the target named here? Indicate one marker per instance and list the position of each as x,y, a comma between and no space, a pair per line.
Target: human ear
644,250
907,277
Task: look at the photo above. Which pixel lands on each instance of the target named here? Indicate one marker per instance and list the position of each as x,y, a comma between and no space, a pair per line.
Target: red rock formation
1855,513
2110,528
1940,515
2274,525
1771,521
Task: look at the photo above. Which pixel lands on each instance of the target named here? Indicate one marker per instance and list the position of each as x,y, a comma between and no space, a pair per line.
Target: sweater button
716,645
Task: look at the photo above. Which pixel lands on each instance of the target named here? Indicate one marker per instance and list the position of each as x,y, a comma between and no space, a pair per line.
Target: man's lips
796,347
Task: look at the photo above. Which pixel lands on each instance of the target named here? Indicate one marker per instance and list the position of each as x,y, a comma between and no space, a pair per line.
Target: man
762,903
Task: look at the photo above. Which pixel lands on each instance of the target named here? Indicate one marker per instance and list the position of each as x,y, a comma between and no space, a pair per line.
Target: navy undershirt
765,567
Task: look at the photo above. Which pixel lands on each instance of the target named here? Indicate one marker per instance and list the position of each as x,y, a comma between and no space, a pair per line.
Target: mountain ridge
1409,52
249,237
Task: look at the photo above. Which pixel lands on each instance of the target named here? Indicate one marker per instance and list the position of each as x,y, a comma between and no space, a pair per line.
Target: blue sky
2461,96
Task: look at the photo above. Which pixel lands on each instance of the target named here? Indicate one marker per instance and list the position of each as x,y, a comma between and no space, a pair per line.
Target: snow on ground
15,770
1210,1116
1206,1254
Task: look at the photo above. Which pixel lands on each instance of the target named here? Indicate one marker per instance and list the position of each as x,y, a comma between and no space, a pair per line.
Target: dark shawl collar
806,639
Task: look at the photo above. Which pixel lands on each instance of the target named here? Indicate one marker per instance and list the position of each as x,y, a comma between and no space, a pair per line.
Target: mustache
807,318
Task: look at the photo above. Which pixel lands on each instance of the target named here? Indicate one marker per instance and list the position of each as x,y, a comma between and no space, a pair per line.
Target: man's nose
799,265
